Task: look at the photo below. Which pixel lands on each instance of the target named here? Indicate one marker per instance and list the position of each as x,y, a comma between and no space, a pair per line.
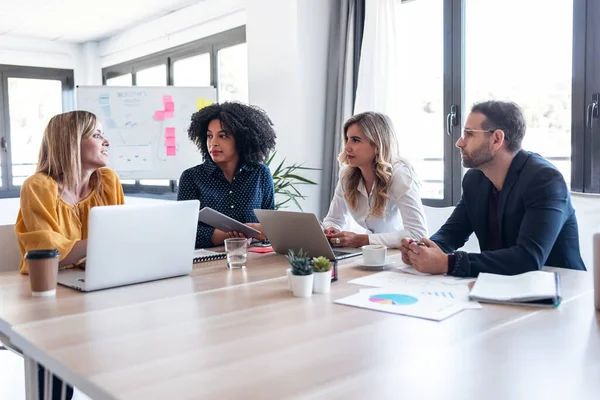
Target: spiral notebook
202,255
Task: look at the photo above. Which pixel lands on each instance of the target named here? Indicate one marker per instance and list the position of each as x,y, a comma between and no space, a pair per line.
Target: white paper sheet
431,285
407,303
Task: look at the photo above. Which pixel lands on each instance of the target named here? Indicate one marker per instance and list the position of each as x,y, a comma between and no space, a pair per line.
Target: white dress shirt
403,214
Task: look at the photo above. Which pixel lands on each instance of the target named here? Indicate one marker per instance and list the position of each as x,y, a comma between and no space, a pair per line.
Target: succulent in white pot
322,273
302,273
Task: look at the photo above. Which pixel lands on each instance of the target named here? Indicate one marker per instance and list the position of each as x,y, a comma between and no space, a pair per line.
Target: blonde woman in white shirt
378,188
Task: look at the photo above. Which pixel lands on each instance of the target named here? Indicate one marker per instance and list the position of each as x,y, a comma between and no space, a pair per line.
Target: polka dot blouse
251,187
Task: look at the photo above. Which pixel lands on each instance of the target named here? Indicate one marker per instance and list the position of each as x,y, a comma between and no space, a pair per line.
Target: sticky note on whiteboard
159,115
167,98
170,142
169,106
169,114
171,151
201,103
170,132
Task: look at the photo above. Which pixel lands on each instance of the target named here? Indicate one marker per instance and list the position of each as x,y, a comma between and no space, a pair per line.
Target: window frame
211,44
65,76
585,141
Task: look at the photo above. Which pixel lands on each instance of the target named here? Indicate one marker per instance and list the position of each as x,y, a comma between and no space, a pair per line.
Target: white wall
287,66
50,54
195,22
287,63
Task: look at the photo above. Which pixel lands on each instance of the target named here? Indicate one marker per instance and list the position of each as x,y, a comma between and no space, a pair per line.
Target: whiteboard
147,127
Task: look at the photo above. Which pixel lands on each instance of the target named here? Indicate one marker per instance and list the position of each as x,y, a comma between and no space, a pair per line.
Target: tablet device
221,221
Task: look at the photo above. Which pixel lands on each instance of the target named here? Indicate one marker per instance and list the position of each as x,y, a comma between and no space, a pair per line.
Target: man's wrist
451,263
365,240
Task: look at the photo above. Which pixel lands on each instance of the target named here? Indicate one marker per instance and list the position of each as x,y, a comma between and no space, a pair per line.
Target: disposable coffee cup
43,270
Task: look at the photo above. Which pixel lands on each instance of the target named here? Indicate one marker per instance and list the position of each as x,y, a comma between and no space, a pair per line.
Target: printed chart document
430,285
535,288
403,302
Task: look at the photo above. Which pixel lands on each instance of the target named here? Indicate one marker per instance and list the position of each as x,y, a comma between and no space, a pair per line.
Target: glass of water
237,252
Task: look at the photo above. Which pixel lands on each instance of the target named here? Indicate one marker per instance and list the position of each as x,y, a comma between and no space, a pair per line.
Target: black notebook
201,255
535,288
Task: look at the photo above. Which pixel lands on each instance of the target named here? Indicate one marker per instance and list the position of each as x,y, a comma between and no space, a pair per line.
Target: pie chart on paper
393,299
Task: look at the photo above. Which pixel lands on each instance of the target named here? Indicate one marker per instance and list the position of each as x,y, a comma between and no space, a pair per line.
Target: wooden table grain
256,340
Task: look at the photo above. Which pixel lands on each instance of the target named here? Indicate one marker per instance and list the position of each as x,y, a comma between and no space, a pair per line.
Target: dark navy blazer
537,221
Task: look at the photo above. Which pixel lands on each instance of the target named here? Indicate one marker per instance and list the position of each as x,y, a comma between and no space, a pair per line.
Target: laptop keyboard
342,254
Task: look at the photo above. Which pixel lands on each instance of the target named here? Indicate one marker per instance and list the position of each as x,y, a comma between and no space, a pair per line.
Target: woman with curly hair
377,187
235,140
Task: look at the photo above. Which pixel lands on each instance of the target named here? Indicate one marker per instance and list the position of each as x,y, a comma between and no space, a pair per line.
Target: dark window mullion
453,81
578,131
592,87
4,157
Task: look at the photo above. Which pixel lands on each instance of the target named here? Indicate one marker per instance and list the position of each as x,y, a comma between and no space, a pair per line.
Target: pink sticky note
170,142
170,132
171,151
169,106
167,98
159,115
169,114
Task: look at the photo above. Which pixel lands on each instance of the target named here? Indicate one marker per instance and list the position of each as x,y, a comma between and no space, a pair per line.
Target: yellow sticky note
201,103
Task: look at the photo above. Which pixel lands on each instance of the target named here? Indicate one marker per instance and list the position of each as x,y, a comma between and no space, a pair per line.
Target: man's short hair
503,115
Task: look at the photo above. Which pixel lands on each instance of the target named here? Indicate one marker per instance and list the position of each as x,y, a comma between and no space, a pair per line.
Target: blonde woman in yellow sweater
70,179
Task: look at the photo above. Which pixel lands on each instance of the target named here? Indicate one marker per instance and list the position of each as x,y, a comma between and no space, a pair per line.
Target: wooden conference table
241,334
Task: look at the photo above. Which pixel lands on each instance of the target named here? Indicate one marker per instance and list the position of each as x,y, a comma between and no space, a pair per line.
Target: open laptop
133,244
297,230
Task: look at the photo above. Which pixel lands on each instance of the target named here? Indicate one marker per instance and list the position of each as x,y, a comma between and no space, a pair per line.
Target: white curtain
377,73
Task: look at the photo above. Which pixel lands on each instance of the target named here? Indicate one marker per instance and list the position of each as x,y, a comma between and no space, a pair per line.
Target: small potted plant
322,273
302,273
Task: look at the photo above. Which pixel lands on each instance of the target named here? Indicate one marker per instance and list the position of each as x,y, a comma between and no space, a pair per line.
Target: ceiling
80,20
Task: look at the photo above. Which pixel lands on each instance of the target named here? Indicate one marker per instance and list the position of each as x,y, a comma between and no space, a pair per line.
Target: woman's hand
257,226
330,231
234,234
348,239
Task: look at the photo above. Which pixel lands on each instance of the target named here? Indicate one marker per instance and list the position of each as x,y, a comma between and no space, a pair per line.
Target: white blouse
403,217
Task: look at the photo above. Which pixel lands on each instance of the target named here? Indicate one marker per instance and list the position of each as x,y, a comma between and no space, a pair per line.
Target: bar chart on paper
448,295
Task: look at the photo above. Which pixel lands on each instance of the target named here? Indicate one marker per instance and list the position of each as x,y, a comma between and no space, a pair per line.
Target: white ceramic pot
322,282
289,278
303,285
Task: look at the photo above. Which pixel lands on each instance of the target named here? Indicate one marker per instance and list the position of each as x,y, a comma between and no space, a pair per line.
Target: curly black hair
250,126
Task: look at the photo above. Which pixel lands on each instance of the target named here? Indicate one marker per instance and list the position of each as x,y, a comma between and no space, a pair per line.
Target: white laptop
298,230
132,244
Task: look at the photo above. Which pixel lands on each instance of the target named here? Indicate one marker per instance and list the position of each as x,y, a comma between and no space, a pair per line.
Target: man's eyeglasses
469,132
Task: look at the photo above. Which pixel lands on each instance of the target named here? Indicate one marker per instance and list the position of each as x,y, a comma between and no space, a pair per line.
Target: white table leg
31,379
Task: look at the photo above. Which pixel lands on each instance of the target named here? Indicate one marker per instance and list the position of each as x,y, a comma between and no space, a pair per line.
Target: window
27,117
121,80
192,71
546,65
418,110
153,76
514,64
192,64
233,73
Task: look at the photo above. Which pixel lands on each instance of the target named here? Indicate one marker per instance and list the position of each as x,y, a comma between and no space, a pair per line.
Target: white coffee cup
374,254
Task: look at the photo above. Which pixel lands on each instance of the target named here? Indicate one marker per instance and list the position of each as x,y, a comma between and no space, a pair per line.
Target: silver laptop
137,243
297,230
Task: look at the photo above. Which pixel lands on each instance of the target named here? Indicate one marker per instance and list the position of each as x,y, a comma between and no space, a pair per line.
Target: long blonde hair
379,130
60,152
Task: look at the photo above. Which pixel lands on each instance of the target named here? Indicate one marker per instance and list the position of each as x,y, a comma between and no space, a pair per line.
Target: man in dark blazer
516,202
